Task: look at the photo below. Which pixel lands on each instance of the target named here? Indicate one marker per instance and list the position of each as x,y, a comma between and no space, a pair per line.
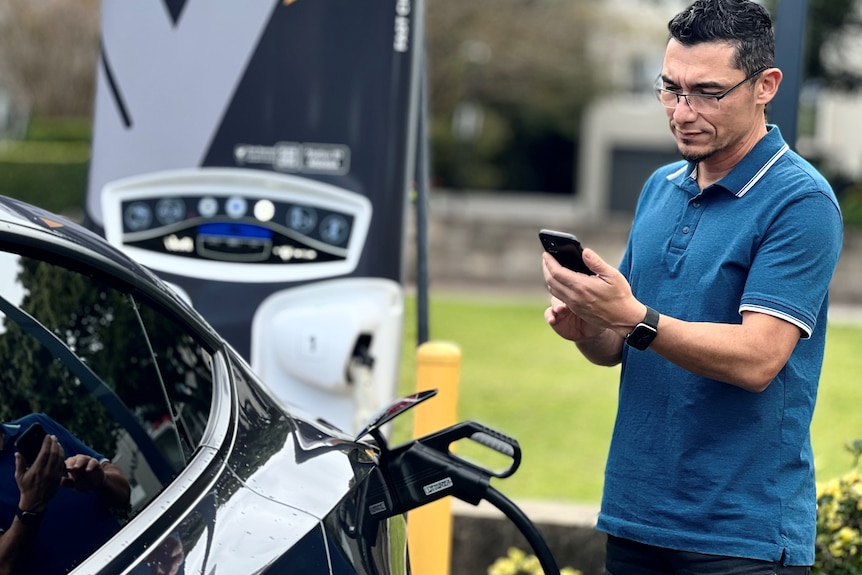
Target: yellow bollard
429,528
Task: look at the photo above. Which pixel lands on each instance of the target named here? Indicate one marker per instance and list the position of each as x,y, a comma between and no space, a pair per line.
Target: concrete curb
481,534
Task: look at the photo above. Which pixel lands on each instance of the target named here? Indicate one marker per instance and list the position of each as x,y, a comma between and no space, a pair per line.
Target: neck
714,168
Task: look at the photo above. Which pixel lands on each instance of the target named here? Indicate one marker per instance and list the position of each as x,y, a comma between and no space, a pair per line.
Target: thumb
595,262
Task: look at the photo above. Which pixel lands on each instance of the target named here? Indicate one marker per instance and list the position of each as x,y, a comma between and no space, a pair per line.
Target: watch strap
29,517
651,318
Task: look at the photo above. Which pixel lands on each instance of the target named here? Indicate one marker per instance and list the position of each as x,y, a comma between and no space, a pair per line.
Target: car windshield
117,373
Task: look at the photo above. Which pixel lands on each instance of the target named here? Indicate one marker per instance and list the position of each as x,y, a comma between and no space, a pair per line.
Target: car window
116,372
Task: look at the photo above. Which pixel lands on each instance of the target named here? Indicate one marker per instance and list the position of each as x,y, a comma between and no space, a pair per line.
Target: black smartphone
30,442
566,249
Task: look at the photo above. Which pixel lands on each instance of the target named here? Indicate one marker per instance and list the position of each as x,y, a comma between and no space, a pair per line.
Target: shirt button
686,229
695,205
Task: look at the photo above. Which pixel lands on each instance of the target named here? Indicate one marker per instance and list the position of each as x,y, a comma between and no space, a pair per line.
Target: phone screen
566,249
30,442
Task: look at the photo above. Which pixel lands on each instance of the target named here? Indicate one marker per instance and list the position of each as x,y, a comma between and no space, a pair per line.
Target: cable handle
442,441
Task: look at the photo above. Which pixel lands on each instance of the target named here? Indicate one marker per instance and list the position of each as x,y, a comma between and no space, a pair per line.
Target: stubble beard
695,157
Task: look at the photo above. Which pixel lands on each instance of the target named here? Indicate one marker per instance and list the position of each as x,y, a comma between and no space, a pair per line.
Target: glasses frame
716,97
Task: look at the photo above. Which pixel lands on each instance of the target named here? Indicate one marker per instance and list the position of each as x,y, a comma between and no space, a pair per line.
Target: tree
831,51
48,54
524,67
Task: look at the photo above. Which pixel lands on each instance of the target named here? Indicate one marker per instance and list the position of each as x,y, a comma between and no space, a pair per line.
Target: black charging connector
426,469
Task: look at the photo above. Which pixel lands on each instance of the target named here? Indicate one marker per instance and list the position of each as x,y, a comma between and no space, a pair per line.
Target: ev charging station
257,154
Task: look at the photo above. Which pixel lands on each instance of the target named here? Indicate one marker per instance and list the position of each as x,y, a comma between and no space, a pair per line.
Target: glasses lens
667,99
703,103
698,103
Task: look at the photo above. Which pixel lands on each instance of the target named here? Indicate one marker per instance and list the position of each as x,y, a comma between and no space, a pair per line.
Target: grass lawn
519,378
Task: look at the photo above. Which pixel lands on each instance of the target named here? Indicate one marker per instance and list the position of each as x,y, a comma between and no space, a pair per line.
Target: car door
125,377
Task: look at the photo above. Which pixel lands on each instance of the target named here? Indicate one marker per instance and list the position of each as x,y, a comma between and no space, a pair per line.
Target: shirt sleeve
790,275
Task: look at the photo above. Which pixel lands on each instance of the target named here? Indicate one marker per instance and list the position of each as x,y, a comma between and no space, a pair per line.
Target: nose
683,109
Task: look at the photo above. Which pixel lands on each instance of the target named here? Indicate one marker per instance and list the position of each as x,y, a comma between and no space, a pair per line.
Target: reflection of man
167,557
55,512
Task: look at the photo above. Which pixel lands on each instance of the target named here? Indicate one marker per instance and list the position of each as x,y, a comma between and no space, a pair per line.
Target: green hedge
50,168
59,129
850,199
52,175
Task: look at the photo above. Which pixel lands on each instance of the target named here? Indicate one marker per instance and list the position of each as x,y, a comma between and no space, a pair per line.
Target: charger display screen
234,228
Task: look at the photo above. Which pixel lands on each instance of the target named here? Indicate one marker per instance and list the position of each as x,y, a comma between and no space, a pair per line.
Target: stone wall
489,241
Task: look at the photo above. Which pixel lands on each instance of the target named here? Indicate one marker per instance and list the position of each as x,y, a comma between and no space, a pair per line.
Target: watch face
641,336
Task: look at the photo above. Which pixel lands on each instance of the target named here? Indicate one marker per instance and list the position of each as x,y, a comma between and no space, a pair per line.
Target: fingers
553,270
50,455
81,463
84,473
20,465
550,316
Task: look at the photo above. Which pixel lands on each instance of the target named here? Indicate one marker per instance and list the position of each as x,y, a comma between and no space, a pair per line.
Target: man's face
719,135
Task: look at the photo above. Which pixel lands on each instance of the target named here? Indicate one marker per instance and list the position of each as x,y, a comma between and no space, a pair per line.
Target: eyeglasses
700,103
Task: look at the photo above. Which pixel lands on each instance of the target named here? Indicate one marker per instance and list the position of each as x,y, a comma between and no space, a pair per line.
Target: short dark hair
743,23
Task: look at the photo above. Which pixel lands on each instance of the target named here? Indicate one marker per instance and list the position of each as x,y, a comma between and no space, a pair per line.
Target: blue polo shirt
75,523
700,465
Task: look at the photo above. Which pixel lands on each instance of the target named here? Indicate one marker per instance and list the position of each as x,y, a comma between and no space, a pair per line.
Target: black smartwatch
644,332
29,517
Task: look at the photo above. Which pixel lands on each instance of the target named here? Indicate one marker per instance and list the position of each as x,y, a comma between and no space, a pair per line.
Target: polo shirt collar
743,177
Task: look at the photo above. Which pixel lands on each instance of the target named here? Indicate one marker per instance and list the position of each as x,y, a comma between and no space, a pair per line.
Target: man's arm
748,355
37,485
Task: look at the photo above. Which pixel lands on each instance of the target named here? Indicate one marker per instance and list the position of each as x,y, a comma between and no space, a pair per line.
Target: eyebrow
707,85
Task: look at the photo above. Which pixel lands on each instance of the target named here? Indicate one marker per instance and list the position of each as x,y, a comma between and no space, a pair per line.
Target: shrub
516,562
839,522
49,169
59,129
58,186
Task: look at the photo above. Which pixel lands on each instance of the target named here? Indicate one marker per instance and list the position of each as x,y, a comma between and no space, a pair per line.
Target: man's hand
84,473
39,482
88,474
596,312
568,325
604,301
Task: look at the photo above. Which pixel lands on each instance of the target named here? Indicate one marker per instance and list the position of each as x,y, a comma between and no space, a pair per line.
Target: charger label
437,486
377,508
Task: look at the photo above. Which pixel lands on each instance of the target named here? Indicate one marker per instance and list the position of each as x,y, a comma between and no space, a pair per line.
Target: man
718,316
56,510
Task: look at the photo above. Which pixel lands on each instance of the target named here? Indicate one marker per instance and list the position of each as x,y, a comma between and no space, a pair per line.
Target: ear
767,86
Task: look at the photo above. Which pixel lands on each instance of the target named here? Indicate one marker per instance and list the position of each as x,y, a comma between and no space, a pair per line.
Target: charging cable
426,469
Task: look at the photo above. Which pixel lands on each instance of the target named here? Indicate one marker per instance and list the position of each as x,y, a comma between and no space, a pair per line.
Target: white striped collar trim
747,187
762,171
681,171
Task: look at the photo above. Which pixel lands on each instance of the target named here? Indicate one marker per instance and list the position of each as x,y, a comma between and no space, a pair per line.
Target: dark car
223,478
217,475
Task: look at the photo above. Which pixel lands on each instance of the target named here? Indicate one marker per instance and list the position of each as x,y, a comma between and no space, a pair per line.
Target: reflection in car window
121,376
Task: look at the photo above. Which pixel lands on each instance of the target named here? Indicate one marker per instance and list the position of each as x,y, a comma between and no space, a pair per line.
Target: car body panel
264,489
